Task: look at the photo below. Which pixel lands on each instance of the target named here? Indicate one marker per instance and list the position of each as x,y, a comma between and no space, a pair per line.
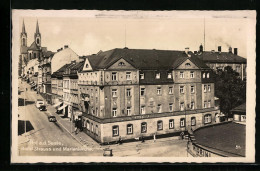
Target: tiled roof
24,49
240,108
77,67
224,57
47,53
60,71
34,46
144,59
224,137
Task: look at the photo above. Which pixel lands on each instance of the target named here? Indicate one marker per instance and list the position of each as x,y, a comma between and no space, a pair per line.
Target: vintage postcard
133,86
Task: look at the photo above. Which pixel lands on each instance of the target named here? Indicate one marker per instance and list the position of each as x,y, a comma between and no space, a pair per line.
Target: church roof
37,28
34,46
144,58
23,29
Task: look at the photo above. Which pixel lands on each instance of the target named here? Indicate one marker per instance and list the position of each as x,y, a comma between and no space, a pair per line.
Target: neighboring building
239,113
217,60
44,76
227,139
62,57
130,93
70,89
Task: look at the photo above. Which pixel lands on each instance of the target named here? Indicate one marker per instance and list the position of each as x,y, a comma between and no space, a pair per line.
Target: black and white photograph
133,86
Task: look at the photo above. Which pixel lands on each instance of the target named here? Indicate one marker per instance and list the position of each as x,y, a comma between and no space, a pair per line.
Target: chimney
187,50
58,50
219,48
61,48
73,62
195,52
230,49
235,51
201,48
66,46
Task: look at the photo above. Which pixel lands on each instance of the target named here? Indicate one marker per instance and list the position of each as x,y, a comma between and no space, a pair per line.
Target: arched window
87,124
38,40
143,127
121,64
207,118
129,128
30,56
23,41
34,55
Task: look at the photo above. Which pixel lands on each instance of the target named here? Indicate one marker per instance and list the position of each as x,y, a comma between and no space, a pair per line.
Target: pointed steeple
37,28
23,29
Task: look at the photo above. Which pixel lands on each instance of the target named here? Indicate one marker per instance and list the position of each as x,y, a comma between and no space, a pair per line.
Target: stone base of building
102,130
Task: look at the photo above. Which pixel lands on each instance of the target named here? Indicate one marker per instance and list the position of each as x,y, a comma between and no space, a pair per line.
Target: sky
87,34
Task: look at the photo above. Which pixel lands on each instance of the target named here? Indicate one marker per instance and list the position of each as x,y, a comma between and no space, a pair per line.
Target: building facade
218,60
130,93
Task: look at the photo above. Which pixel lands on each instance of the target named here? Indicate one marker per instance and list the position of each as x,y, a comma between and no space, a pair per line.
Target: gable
121,64
87,66
187,64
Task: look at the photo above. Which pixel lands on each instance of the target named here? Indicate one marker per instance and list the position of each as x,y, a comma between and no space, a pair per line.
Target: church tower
37,35
23,36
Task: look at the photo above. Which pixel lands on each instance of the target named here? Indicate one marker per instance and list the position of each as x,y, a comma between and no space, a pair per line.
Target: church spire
23,29
37,28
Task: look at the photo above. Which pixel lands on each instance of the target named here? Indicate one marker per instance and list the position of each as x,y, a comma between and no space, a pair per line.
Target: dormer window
141,76
157,76
204,75
121,64
169,75
207,75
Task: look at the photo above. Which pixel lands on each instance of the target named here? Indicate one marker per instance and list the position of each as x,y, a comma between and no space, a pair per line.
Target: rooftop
144,58
34,46
240,108
228,138
224,57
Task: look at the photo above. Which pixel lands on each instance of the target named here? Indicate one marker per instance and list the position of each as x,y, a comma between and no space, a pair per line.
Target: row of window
129,127
159,108
159,90
90,127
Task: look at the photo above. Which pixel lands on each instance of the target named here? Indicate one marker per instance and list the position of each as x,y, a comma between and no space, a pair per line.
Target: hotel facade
130,93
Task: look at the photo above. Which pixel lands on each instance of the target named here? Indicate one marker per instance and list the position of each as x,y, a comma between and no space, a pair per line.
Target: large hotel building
131,93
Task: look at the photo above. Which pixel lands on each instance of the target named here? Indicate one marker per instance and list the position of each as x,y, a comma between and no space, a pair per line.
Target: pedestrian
76,126
142,138
120,140
154,137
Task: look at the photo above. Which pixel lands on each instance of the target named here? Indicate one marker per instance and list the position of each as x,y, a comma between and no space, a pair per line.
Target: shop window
207,118
159,125
143,127
171,124
193,121
130,129
115,130
182,122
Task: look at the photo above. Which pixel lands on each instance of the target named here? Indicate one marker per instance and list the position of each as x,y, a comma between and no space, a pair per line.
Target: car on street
39,102
42,108
52,118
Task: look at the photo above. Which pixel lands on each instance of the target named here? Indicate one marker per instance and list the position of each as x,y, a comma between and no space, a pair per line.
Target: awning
57,104
62,107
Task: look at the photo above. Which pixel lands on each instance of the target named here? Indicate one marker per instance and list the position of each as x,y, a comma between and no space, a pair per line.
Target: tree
230,89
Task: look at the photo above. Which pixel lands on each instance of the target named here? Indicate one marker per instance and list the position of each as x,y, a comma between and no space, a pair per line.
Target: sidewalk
81,137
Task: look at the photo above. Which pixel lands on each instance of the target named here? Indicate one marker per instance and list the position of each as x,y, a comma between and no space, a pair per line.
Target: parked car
42,108
39,102
52,118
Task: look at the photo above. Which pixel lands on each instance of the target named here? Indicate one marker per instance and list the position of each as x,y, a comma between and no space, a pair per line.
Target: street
44,138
